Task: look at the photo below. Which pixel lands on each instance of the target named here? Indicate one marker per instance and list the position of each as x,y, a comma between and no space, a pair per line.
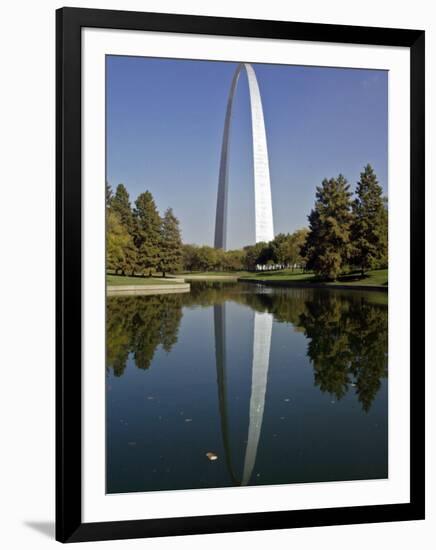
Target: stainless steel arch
262,184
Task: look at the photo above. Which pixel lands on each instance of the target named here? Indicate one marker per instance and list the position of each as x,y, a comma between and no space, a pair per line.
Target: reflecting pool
238,384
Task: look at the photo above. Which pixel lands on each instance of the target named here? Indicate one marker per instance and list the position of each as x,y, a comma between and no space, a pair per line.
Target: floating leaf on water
211,456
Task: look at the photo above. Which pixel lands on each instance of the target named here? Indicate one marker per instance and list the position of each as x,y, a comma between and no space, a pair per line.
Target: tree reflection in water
348,342
138,325
347,332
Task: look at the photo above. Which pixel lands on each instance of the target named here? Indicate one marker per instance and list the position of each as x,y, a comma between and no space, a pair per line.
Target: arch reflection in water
285,386
259,377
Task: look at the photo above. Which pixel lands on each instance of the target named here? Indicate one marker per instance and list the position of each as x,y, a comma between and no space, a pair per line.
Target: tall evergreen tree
170,244
328,244
369,228
109,195
121,207
147,233
120,204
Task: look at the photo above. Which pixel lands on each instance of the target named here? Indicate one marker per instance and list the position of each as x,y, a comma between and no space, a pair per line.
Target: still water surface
236,384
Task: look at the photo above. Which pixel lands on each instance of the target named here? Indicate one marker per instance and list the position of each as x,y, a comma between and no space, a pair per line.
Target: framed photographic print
240,304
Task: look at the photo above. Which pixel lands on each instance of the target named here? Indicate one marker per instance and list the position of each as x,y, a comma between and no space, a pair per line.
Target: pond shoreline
296,284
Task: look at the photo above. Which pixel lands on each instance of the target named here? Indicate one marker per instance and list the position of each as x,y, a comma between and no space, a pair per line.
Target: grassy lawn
206,274
377,277
118,280
285,274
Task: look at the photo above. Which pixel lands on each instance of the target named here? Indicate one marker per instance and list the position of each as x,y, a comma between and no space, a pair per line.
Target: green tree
170,244
120,204
369,228
280,247
286,249
299,238
189,257
109,195
147,233
256,254
202,258
219,260
234,260
118,244
328,245
207,258
120,213
384,229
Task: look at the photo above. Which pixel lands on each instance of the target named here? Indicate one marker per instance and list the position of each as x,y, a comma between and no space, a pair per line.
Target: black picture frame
69,22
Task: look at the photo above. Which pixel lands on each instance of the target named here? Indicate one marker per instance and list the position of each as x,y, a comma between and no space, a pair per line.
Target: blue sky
164,129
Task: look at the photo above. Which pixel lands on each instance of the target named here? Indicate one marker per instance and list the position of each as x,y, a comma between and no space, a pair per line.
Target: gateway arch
262,186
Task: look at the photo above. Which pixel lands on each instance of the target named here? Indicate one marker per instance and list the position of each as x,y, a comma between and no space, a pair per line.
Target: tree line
138,240
345,233
284,251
